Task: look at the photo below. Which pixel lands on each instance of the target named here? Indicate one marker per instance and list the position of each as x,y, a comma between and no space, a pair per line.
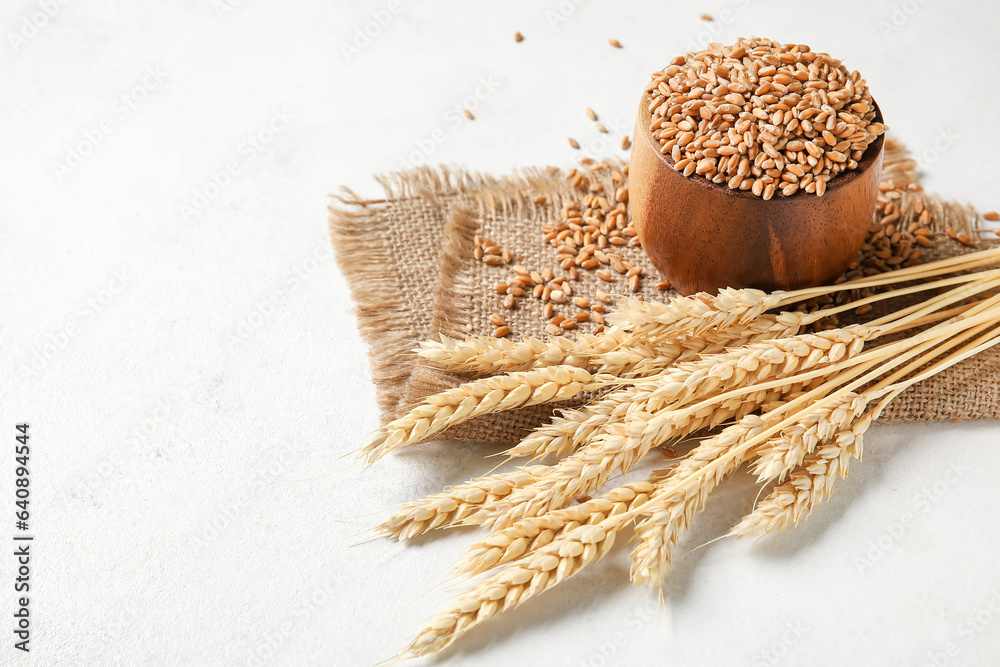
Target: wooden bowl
702,236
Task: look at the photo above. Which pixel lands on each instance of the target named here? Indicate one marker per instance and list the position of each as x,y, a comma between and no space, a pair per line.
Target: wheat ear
694,315
509,544
754,364
492,394
619,447
789,449
699,386
576,426
518,581
455,503
671,508
638,359
487,355
806,488
568,431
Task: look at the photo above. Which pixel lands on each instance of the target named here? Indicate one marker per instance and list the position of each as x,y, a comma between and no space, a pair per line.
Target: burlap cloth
408,260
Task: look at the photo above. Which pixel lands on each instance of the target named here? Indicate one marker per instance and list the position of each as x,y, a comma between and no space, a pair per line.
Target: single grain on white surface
176,332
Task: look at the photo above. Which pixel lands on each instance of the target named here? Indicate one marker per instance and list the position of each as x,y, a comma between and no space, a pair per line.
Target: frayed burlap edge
358,228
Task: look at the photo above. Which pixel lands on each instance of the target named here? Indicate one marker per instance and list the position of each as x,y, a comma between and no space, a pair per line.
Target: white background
188,501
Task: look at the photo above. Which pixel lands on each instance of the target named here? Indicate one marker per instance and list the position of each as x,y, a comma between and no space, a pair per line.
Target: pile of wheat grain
762,116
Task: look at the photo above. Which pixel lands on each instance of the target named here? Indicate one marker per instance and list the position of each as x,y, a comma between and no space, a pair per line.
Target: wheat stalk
593,464
844,430
692,363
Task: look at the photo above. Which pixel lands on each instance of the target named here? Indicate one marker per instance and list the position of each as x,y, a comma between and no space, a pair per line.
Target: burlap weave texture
408,259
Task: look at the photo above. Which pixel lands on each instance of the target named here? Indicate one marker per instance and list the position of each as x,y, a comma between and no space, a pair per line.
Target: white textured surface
189,504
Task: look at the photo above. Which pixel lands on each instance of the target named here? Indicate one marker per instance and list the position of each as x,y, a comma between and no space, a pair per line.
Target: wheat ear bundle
794,402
